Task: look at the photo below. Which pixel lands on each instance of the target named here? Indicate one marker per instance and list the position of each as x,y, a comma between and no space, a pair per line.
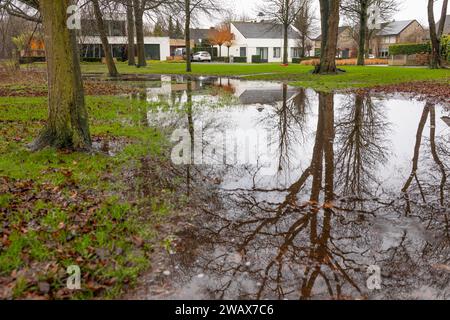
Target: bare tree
102,29
329,16
130,33
140,7
67,125
304,23
284,12
358,12
191,9
435,35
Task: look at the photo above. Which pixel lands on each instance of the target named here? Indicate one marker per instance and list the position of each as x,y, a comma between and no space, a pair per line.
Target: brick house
395,32
346,44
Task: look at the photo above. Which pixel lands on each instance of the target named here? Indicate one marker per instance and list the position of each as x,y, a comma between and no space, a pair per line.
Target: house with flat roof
264,39
156,48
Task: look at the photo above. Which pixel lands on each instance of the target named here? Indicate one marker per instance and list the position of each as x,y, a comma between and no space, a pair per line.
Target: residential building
156,48
264,39
346,44
446,25
395,32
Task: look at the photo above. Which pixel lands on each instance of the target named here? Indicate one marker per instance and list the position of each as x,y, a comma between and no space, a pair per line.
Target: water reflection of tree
360,138
287,119
291,242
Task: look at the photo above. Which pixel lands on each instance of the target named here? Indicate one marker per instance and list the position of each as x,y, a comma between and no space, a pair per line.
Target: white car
202,56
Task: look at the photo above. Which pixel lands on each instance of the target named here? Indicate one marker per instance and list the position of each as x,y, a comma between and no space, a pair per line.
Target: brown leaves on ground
437,92
33,83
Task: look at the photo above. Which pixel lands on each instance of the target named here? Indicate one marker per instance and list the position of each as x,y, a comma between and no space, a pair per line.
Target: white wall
164,43
252,44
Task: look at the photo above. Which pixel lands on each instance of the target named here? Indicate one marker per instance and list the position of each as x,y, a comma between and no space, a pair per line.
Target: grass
295,74
59,209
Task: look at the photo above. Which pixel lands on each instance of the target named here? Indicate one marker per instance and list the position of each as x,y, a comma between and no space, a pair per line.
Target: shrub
90,59
409,49
220,59
346,62
240,59
300,60
256,59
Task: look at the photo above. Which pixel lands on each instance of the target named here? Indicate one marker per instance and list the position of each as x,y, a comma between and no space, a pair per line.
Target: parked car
202,56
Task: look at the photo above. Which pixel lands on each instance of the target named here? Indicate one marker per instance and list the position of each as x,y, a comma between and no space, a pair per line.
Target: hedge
408,49
240,59
300,60
256,59
85,59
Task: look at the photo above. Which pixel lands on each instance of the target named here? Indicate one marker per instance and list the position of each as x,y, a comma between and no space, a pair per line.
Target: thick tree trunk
67,124
285,43
435,35
187,31
329,13
112,70
363,16
139,22
130,27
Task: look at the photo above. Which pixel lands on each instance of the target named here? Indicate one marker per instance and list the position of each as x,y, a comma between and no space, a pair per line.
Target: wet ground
304,195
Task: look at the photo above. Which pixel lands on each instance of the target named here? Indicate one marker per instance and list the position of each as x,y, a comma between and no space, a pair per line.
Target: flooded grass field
304,195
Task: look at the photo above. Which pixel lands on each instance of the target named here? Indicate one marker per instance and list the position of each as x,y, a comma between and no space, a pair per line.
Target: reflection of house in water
446,120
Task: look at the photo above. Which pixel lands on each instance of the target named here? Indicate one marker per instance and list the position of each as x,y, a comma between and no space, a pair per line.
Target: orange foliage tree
221,36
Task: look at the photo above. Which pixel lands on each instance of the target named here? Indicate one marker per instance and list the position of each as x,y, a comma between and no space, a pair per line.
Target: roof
263,30
340,30
446,25
197,34
394,28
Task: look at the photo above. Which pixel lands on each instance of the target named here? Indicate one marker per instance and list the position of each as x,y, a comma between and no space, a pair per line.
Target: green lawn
298,75
59,209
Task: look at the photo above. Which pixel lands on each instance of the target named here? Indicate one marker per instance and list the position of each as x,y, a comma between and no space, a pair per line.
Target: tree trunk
67,125
303,52
362,32
435,35
112,70
139,22
187,31
329,13
285,43
130,27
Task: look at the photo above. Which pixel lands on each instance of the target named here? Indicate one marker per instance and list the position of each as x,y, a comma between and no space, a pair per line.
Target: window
383,53
243,51
295,52
277,52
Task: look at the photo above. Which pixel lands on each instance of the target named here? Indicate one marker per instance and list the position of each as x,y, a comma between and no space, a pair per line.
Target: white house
264,39
156,48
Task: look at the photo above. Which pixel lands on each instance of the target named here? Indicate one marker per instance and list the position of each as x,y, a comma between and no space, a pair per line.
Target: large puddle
310,196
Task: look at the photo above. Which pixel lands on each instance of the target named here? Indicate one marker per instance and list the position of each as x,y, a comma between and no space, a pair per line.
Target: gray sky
409,9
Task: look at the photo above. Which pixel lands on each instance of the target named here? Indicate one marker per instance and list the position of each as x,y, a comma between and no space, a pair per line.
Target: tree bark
329,13
187,31
139,22
67,125
285,44
130,33
112,70
435,35
364,7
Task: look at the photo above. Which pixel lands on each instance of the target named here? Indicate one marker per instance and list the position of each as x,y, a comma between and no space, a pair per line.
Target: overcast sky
409,9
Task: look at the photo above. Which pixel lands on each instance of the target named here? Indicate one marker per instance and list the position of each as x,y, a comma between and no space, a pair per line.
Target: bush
90,59
409,49
240,59
300,60
256,59
221,59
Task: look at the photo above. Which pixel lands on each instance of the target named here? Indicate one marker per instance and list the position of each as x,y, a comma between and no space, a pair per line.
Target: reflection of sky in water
372,221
